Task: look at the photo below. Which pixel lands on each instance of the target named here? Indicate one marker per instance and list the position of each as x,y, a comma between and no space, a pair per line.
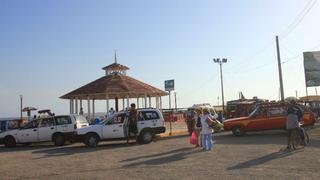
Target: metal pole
280,70
221,86
220,61
21,106
170,100
175,101
170,114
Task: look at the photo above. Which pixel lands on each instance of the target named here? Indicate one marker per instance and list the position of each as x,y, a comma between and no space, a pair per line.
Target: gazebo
114,85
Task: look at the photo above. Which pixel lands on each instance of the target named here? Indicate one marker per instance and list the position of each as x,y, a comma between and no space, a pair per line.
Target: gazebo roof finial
115,56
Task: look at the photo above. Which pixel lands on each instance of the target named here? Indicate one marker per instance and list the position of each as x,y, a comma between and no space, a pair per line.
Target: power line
298,19
298,55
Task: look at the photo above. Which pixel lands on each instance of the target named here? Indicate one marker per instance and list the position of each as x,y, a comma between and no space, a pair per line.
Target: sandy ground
254,156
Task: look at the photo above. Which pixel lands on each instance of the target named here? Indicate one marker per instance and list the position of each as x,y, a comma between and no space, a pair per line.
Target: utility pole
280,70
221,61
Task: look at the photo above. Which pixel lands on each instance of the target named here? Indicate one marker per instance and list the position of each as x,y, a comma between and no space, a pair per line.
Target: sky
49,48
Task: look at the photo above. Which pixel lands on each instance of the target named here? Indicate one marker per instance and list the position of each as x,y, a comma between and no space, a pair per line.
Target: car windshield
109,118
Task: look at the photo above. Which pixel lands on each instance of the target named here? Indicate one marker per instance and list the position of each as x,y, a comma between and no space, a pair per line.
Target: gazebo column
145,101
128,102
138,102
70,105
160,102
157,102
93,108
76,105
123,105
88,99
107,104
116,103
150,102
81,103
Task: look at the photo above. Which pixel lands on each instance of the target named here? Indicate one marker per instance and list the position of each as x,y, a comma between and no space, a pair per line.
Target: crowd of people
202,135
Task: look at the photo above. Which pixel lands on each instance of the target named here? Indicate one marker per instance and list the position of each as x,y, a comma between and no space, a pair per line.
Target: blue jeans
207,141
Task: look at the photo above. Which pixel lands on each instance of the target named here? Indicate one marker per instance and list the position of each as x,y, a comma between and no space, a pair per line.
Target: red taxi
265,117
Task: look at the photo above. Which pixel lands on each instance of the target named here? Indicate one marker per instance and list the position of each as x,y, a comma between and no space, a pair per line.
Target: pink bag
193,138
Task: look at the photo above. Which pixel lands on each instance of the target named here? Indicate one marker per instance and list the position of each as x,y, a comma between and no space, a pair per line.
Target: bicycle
297,140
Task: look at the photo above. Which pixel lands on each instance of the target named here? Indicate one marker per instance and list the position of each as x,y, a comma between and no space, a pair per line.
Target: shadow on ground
161,158
264,159
70,150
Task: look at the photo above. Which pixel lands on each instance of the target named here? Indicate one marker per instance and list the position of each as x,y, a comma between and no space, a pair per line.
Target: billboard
169,85
312,68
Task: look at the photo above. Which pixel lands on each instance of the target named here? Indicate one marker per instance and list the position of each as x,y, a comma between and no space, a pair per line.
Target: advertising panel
312,68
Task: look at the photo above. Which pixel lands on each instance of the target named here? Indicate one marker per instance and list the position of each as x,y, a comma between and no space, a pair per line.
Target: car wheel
10,142
237,131
91,140
146,136
58,140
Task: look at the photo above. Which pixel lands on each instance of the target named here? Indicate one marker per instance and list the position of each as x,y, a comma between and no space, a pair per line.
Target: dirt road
254,156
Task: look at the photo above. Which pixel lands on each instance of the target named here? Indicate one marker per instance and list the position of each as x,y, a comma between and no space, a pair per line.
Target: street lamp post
221,61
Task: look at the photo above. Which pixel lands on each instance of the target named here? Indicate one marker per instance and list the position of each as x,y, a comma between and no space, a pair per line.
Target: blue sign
169,85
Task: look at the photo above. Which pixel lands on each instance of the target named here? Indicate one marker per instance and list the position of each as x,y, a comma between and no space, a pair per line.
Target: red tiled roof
115,85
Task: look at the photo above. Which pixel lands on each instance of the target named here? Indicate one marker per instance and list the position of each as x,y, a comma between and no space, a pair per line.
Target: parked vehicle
264,117
50,128
11,123
150,122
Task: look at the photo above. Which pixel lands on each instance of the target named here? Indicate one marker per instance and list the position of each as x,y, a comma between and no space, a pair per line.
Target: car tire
58,140
237,131
10,142
91,140
146,136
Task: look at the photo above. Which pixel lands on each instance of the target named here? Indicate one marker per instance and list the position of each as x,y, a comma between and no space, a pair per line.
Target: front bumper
159,130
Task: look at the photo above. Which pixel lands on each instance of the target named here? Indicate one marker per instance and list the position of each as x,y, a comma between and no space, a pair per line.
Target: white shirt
206,129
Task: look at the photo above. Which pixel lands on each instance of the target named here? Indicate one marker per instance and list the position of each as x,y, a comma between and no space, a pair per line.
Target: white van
50,128
150,122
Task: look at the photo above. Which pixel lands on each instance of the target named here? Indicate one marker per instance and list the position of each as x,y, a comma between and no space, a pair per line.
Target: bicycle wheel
295,139
306,137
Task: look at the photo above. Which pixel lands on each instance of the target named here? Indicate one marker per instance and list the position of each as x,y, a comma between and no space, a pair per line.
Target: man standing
132,122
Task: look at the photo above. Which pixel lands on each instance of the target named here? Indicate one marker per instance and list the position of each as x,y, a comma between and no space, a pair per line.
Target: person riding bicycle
292,124
299,112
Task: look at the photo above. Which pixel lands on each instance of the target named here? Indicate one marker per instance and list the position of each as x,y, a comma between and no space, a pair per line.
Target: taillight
75,126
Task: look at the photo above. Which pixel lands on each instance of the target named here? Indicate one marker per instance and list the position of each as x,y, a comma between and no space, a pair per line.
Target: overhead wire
307,8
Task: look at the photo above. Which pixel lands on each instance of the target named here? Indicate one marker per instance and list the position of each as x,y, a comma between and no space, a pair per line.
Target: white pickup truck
150,122
50,128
